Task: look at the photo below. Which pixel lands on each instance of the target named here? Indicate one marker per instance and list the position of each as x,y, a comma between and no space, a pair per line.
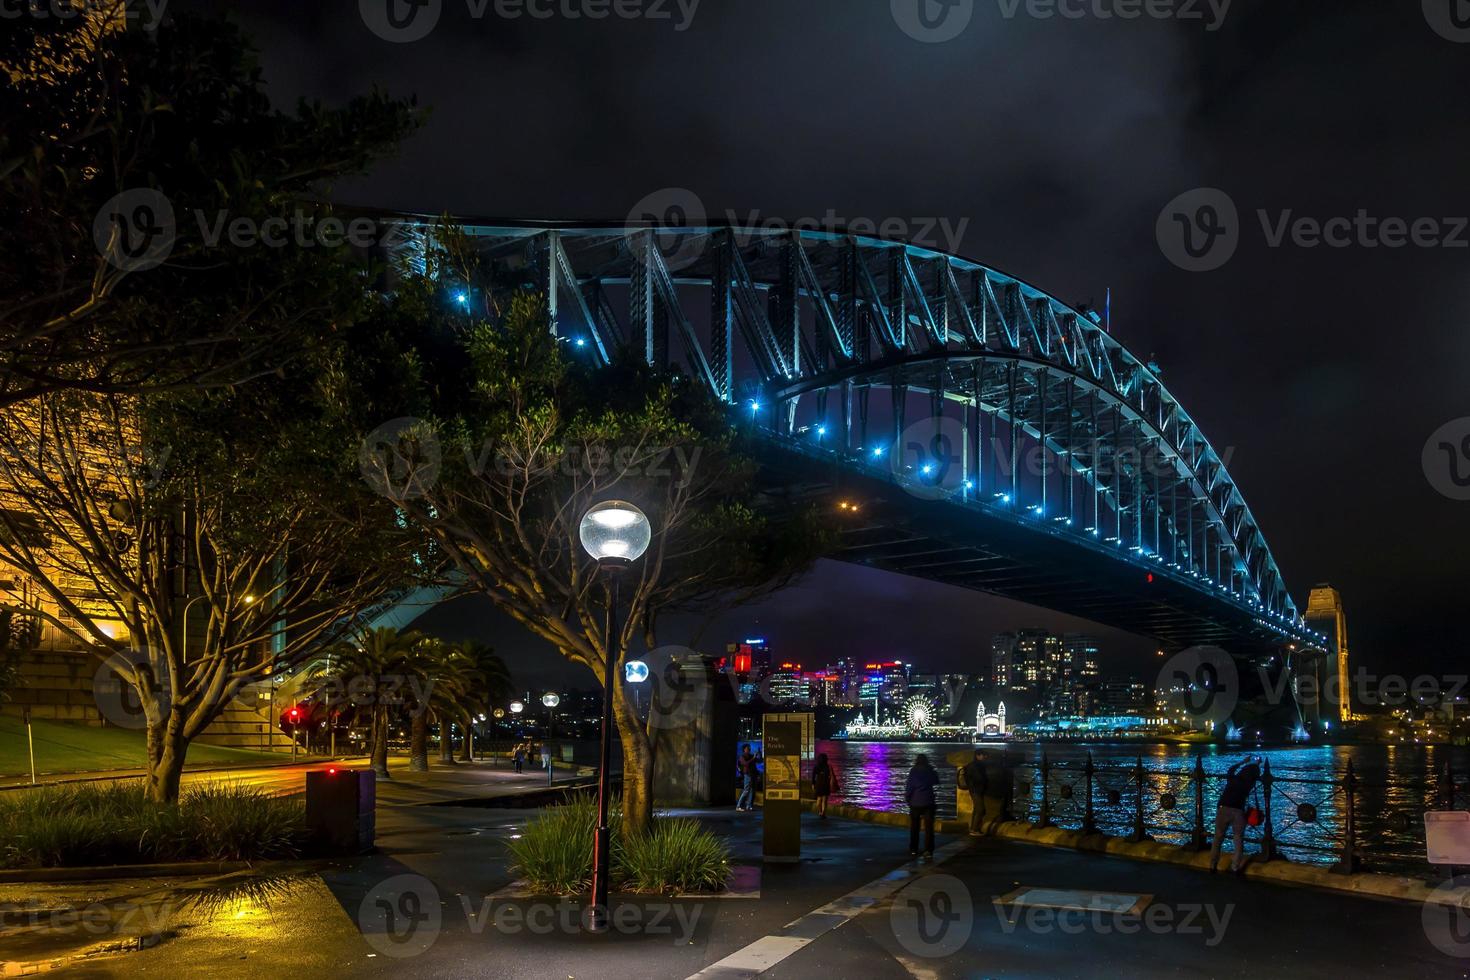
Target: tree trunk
380,742
446,740
637,765
466,749
418,744
167,748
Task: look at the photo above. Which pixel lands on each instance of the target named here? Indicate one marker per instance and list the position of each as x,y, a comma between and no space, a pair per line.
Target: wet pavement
436,900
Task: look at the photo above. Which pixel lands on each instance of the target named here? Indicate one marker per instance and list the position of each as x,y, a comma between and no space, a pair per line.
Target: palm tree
441,676
369,673
490,682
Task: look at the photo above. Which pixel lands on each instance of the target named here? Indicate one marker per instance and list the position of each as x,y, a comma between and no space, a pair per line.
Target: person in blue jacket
918,793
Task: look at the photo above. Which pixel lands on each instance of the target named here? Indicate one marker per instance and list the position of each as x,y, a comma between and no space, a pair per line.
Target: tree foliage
95,107
518,440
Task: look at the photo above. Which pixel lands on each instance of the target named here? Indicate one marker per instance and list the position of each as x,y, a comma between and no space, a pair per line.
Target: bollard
1140,831
1198,841
340,809
1089,824
1268,840
1349,863
1043,819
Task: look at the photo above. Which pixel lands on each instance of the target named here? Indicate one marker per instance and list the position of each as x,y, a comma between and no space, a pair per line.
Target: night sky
1057,142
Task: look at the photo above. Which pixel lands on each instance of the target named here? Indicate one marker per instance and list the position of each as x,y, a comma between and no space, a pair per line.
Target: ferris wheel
918,712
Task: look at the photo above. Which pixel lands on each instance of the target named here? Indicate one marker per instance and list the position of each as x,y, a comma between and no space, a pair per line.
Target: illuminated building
786,684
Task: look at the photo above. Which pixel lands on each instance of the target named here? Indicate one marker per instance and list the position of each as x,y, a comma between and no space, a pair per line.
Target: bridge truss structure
1039,458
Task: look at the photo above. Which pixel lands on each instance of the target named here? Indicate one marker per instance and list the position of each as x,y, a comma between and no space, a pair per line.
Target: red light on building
742,662
1150,578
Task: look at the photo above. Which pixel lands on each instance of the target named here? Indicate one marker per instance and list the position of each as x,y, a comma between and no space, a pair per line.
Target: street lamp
616,534
551,699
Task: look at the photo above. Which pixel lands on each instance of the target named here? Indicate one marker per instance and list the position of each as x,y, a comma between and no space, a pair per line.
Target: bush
554,854
115,823
675,855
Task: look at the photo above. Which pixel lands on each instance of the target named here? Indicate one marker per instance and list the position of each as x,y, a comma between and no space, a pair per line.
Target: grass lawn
69,747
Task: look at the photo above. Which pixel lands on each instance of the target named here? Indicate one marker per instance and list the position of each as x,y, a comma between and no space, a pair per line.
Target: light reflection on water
1395,785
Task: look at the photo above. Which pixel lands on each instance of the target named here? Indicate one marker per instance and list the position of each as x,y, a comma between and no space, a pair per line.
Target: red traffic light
1150,578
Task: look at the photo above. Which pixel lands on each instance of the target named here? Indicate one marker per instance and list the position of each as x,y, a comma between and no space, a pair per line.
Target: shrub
554,853
115,823
675,855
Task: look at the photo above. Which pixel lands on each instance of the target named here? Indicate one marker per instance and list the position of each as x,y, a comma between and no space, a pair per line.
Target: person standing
519,755
918,793
824,783
974,779
1230,813
546,756
749,769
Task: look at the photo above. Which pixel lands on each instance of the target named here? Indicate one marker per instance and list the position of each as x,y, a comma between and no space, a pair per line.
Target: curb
106,775
1362,884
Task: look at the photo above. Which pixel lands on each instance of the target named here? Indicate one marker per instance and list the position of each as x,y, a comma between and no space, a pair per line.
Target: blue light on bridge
463,299
969,484
927,469
877,451
581,341
821,431
755,406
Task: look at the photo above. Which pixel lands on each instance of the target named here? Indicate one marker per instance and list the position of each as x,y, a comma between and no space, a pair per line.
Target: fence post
1043,819
1348,863
1089,824
1198,840
1140,832
1268,841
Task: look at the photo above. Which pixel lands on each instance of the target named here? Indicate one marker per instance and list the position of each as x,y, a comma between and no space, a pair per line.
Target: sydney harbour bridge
967,427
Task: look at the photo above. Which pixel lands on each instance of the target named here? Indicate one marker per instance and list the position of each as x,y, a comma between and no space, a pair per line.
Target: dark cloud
1324,369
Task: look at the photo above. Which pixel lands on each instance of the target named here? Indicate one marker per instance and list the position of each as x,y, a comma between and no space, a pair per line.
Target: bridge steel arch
828,322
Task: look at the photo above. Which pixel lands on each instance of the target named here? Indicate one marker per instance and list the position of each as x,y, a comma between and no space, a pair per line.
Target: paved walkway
432,903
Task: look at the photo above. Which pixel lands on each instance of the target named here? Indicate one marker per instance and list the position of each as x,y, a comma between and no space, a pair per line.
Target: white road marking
764,953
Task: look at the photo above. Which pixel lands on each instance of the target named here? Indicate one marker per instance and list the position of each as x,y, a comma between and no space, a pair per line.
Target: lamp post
616,534
551,699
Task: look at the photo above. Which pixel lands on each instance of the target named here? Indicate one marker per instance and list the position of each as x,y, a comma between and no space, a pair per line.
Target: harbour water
1395,785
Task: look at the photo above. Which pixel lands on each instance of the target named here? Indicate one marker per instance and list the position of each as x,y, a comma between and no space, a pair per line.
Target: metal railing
1337,820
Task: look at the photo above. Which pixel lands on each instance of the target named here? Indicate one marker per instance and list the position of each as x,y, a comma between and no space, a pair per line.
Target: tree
367,676
19,635
136,167
524,441
197,542
489,682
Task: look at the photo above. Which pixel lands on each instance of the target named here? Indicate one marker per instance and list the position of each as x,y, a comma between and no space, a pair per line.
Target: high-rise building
786,684
1080,653
1026,659
749,659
